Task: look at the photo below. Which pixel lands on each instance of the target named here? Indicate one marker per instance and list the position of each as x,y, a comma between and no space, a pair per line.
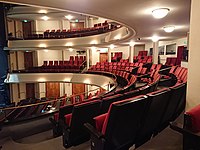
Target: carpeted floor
37,135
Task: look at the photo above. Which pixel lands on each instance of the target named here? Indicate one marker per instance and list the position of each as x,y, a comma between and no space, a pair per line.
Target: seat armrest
63,124
52,121
93,131
143,76
179,128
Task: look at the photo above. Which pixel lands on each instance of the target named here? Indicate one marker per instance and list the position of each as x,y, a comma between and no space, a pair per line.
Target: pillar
88,58
155,52
193,81
86,22
91,22
131,53
4,92
109,54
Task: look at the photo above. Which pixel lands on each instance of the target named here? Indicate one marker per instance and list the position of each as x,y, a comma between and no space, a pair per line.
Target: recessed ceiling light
132,43
169,29
112,46
42,45
69,17
42,11
155,38
45,18
160,13
70,49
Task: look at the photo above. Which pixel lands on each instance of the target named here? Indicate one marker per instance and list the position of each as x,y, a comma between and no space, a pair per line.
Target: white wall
123,49
193,82
178,42
99,20
42,25
50,55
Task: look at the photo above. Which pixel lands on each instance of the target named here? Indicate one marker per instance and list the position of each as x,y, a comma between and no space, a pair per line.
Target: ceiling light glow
112,46
132,43
169,29
42,45
45,18
70,49
160,13
69,17
155,38
42,11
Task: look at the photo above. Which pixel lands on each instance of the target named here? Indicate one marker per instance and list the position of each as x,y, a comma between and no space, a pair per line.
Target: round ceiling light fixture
160,13
169,29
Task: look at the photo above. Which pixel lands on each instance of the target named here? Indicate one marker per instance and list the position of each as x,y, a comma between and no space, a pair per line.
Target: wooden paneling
78,88
103,57
27,29
28,60
52,90
76,25
30,90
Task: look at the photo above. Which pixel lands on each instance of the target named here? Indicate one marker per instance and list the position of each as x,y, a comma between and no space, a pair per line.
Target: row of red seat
79,32
117,57
105,66
171,61
70,136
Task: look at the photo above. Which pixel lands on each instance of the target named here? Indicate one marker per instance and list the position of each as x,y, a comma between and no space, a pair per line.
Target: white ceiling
135,14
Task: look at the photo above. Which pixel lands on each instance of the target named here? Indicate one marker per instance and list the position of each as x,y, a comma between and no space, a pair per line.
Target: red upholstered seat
56,117
68,119
195,118
99,121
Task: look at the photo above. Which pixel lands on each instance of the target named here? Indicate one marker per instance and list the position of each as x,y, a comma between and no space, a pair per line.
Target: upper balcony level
35,28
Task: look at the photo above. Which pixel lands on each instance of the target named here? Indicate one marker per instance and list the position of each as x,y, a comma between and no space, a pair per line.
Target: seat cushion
68,119
99,120
195,117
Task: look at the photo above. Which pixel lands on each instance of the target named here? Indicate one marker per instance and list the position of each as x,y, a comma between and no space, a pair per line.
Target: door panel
52,90
30,90
28,60
103,57
78,88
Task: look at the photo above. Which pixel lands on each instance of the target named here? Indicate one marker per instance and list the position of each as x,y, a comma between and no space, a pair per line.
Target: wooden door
27,29
52,90
76,25
103,57
30,90
78,88
28,60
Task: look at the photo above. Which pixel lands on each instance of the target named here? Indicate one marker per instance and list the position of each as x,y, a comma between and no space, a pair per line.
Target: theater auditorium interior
99,75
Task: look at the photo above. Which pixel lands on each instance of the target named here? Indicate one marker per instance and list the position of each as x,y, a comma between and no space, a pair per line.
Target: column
155,52
109,54
131,53
88,58
193,80
91,22
86,22
4,92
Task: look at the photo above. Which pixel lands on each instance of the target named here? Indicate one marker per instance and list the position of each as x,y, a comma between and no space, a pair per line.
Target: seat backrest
123,121
107,101
177,93
192,119
81,114
156,106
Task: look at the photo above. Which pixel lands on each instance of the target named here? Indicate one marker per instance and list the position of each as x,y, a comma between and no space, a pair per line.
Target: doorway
103,57
52,89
